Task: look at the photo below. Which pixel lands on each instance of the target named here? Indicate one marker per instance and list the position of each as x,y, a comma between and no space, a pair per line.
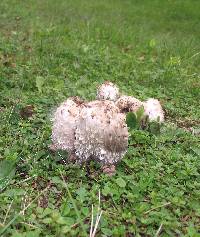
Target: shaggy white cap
128,103
101,133
64,123
108,91
153,109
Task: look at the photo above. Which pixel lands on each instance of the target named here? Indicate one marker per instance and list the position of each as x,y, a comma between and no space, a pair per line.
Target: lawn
50,50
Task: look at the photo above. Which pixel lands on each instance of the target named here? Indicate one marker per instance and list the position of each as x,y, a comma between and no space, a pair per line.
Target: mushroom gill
64,123
101,133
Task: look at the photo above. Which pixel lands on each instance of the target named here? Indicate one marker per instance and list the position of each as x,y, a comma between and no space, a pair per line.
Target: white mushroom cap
128,103
64,123
108,91
101,133
153,109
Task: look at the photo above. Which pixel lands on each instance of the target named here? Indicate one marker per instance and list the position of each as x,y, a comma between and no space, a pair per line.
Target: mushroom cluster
97,130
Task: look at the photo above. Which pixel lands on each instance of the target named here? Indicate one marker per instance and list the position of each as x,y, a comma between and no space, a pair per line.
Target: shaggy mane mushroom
128,103
101,134
107,91
64,124
153,109
97,129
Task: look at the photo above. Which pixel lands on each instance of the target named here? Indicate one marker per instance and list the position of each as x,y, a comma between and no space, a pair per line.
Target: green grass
50,50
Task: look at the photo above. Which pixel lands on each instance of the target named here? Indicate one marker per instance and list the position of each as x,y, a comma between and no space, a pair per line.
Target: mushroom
154,111
101,134
97,129
64,124
94,130
152,107
108,91
128,103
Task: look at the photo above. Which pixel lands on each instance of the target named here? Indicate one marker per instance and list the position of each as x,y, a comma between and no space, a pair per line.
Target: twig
99,201
152,209
23,204
194,55
92,221
98,217
30,225
4,221
27,179
159,230
96,224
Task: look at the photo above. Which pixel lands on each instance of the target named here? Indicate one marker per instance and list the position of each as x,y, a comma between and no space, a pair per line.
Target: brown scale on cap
78,100
128,103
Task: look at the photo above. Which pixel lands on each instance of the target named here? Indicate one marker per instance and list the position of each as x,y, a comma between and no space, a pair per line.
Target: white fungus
108,91
153,109
128,103
64,124
101,133
97,129
94,130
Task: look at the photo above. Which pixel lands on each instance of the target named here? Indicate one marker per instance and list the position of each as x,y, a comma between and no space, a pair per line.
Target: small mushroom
154,111
108,91
128,103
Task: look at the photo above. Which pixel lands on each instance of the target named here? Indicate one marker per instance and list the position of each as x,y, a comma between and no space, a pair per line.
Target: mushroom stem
109,170
72,157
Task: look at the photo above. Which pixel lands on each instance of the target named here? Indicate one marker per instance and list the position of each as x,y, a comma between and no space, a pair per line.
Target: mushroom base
109,170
